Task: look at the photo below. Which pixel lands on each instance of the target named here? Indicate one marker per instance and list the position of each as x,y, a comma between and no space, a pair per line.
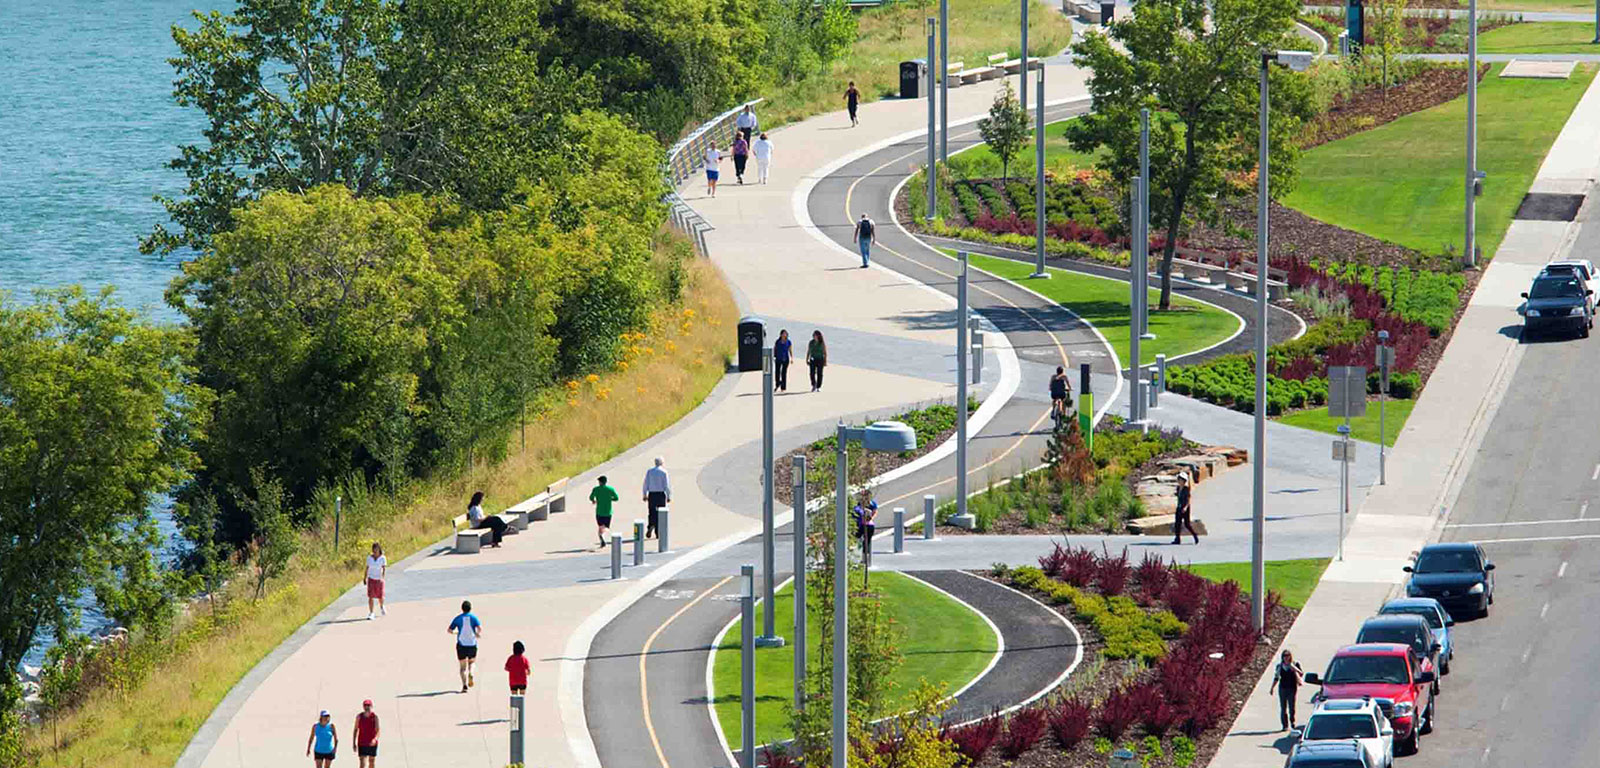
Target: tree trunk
1180,196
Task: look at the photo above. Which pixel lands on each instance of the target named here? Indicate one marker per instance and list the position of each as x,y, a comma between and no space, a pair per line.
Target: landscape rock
1161,525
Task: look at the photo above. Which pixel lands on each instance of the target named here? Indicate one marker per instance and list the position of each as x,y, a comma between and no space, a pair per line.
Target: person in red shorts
377,569
517,669
367,736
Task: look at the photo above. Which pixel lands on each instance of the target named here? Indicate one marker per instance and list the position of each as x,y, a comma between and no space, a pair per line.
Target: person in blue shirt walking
467,630
782,354
323,743
866,235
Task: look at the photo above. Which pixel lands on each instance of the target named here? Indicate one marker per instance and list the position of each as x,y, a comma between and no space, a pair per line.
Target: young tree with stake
1005,130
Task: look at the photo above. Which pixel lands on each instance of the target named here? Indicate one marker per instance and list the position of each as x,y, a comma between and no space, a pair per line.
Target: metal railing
684,159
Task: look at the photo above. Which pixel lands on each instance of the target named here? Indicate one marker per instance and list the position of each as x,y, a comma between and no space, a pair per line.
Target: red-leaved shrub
974,739
1113,572
1206,706
1079,568
1069,722
778,758
1051,562
1152,576
1117,713
1023,730
1185,594
1155,714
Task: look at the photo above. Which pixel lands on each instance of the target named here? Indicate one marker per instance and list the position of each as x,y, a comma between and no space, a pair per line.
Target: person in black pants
782,353
816,359
1287,679
1182,521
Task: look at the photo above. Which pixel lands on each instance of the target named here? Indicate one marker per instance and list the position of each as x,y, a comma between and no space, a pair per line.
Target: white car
1361,720
1582,268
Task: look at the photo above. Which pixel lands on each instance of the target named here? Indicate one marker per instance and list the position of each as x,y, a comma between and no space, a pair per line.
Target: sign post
1085,406
1385,361
1347,398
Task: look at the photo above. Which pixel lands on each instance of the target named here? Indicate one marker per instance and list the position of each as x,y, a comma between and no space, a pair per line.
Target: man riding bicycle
1060,391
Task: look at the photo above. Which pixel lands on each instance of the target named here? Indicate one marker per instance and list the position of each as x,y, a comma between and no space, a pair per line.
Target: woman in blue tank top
323,742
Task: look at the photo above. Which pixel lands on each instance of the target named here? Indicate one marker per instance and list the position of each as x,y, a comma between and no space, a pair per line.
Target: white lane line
1596,475
1540,538
1486,753
1583,510
1507,523
1526,653
1562,571
1544,610
1504,702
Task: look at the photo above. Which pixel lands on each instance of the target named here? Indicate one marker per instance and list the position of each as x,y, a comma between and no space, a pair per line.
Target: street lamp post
1144,226
883,436
1298,61
1471,254
769,562
944,81
933,198
1038,171
962,352
798,498
1024,72
1135,392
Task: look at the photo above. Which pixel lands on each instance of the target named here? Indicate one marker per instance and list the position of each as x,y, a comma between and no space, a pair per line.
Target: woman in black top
852,99
1287,678
1060,390
1183,520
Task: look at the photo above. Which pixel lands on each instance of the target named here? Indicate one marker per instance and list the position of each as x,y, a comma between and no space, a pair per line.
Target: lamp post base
1039,276
769,642
1147,336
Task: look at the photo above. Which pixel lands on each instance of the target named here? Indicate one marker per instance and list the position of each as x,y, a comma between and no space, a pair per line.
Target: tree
381,96
1005,129
1198,73
96,419
1389,22
274,543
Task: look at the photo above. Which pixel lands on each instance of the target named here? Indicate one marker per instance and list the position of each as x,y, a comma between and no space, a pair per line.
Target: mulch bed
874,464
1371,108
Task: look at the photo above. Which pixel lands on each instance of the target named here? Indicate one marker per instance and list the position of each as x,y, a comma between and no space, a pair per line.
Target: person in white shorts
762,149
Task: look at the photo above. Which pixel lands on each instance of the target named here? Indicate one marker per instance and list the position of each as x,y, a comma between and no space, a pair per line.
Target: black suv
1458,574
1328,754
1557,302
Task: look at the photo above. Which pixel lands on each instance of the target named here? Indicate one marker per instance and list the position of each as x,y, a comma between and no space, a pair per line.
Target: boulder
1160,525
1234,456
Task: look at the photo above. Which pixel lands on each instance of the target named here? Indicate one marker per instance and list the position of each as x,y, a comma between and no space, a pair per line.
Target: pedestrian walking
467,630
852,100
762,149
747,122
602,497
741,155
517,669
657,494
1183,520
866,515
323,743
366,731
377,569
713,159
866,235
782,353
1287,678
477,519
816,359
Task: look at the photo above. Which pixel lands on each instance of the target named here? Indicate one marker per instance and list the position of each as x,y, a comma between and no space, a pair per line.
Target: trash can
911,75
752,338
1107,10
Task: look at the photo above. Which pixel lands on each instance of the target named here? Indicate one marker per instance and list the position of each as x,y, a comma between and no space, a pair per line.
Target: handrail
684,158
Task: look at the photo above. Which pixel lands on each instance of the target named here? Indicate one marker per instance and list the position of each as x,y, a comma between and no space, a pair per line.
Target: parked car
1438,620
1458,574
1386,673
1329,754
1360,720
1408,630
1558,302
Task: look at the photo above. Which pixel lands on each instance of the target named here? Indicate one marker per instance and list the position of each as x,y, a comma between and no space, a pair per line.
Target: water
87,125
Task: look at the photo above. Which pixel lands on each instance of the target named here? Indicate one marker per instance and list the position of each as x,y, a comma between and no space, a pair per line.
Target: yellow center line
644,655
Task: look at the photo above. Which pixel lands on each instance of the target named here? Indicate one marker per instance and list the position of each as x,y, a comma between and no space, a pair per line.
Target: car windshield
1446,561
1402,635
1342,726
1368,669
1419,610
1556,288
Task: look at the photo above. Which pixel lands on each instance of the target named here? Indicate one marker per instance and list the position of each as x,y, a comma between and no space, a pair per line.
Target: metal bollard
518,729
661,528
927,517
616,555
1152,389
638,542
899,530
1161,371
976,336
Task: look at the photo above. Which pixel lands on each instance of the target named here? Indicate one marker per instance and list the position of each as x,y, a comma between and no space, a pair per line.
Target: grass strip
1541,37
1395,413
1293,579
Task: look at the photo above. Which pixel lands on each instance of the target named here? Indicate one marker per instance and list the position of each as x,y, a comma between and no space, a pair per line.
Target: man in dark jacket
1182,520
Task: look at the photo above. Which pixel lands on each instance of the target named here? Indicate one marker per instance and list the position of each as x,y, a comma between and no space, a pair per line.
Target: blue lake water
87,125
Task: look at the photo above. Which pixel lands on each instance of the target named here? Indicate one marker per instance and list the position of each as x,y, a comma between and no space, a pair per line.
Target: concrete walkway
1436,449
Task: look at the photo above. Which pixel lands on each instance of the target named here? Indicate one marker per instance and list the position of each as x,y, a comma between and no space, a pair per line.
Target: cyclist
1060,391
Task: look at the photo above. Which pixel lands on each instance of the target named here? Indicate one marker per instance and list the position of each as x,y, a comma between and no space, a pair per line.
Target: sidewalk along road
1498,436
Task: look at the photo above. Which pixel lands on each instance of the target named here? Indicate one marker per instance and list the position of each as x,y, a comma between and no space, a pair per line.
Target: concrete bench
557,492
533,509
952,73
996,67
1240,281
973,75
1212,274
1086,12
470,540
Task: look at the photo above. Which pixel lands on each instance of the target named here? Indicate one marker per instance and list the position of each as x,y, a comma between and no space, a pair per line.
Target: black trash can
1107,11
912,74
752,338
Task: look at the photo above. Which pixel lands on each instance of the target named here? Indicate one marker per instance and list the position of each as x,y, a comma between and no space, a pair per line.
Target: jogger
377,568
467,630
602,498
517,669
657,493
852,99
866,234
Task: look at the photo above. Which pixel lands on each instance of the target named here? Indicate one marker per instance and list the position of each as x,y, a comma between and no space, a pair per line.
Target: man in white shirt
377,568
747,123
657,494
762,149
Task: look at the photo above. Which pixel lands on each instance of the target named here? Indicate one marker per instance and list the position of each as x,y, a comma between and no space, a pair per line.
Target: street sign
1347,391
1383,357
1339,453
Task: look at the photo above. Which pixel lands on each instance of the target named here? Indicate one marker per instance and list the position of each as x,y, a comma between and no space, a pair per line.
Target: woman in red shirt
517,668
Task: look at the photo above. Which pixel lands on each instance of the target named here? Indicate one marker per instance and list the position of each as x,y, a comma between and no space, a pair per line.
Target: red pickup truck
1383,671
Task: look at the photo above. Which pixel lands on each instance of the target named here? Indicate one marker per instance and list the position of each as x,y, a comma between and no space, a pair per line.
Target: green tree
381,96
1005,130
274,542
1198,73
1388,18
96,419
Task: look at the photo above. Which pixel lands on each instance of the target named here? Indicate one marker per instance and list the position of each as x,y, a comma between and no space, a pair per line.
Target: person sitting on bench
478,519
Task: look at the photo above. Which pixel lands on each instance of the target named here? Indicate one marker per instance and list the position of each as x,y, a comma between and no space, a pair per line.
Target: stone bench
1161,525
952,73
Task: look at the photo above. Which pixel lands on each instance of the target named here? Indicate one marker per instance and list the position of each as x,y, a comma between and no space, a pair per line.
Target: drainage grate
1544,206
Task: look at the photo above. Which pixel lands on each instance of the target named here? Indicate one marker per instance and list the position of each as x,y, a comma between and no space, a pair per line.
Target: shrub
1207,704
1023,731
778,758
1113,573
1152,575
1185,593
1069,722
1052,562
1183,751
1117,714
1155,714
1079,568
973,740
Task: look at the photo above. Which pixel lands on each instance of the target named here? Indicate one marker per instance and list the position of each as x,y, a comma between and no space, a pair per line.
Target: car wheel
1444,667
1409,746
1584,331
1427,718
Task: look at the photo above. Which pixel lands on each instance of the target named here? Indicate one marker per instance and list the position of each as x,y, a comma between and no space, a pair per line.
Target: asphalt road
1521,692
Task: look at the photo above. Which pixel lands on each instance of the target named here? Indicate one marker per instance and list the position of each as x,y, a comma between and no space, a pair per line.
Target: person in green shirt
603,496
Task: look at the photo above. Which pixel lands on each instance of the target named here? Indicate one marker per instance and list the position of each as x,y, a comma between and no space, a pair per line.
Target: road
1519,692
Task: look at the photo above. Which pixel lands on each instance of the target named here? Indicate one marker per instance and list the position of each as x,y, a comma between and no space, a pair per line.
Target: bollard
517,729
1161,371
899,530
638,542
616,555
927,517
1151,388
661,528
338,515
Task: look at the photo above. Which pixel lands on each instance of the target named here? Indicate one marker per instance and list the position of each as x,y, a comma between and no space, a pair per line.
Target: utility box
752,338
1355,25
912,74
1107,11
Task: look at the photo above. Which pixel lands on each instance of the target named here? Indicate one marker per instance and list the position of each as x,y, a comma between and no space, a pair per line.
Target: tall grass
896,32
147,720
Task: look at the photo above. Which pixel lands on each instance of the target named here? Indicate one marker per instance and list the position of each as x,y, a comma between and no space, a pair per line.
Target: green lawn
945,642
1294,579
981,162
1532,5
1103,303
1402,181
1541,37
1395,413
